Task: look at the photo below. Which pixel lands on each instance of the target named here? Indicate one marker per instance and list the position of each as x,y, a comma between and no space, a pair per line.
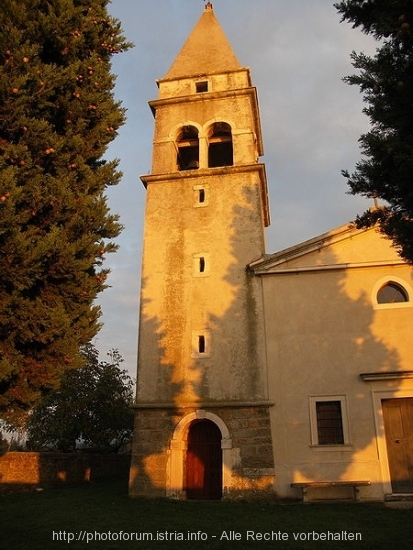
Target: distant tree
387,83
92,405
57,117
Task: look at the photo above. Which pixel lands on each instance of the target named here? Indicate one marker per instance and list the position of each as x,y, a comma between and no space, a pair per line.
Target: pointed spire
206,50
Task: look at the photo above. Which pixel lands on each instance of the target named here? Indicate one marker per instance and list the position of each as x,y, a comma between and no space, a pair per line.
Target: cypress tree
386,80
57,116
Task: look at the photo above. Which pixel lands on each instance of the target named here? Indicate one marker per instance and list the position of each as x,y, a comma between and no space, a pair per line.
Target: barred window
329,423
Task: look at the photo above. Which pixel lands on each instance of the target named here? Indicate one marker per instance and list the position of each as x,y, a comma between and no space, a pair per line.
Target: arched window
187,145
220,150
391,293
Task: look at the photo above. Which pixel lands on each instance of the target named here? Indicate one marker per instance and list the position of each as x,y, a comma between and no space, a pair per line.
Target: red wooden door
204,461
398,425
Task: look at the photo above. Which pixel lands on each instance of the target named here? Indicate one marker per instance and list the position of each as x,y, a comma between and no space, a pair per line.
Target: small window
201,87
201,195
329,423
391,293
201,343
201,265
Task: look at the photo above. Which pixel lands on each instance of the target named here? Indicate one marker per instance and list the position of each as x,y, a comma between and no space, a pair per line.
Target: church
286,375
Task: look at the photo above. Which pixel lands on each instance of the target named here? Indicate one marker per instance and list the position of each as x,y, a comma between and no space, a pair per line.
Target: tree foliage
57,117
4,446
92,405
386,81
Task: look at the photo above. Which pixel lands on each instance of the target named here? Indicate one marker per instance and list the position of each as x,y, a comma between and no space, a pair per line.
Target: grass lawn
69,516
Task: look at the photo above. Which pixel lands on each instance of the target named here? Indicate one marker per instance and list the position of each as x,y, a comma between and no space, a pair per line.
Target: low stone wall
34,470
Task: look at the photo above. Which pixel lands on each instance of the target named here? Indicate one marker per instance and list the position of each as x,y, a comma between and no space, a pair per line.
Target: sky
298,51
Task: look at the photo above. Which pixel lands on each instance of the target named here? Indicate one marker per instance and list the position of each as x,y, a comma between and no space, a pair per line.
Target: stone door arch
177,453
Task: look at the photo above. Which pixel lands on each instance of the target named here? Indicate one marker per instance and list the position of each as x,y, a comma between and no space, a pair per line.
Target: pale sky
298,52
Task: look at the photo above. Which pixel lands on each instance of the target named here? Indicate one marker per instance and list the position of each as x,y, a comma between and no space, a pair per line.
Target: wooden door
204,461
398,425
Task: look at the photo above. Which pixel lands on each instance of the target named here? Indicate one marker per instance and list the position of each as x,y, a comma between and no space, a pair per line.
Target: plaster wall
201,111
232,80
222,303
324,329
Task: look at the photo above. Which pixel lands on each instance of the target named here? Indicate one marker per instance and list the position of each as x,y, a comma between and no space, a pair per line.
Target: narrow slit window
201,195
200,343
201,264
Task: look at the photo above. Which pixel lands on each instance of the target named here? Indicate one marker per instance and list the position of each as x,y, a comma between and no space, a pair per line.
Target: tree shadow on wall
308,351
325,334
228,371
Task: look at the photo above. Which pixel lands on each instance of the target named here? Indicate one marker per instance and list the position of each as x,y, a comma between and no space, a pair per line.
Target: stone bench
305,485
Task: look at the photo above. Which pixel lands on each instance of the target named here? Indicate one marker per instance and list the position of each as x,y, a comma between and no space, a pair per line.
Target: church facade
257,371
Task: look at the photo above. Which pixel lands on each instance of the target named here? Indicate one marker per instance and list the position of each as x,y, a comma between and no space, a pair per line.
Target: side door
398,425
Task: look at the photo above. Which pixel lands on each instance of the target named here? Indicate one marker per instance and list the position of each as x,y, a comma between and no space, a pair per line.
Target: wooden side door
204,461
398,425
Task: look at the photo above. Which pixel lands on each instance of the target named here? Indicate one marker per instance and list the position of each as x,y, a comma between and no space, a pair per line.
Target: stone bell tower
202,427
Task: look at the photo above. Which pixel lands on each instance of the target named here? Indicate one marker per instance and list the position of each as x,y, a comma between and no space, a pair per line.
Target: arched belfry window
220,149
391,293
187,145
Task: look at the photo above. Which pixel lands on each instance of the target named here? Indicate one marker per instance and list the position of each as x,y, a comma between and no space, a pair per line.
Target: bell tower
202,427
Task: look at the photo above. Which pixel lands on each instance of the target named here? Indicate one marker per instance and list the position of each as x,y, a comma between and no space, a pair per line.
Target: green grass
29,520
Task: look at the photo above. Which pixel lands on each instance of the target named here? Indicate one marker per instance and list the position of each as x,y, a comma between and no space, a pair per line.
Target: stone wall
250,431
248,464
21,470
152,435
253,462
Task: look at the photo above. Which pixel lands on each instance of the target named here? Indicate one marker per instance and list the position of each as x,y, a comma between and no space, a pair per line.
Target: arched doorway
203,463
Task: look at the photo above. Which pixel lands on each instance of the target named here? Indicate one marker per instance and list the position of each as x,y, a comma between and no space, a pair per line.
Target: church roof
206,51
342,248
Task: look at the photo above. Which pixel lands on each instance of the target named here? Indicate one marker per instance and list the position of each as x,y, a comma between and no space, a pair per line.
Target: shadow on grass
101,515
